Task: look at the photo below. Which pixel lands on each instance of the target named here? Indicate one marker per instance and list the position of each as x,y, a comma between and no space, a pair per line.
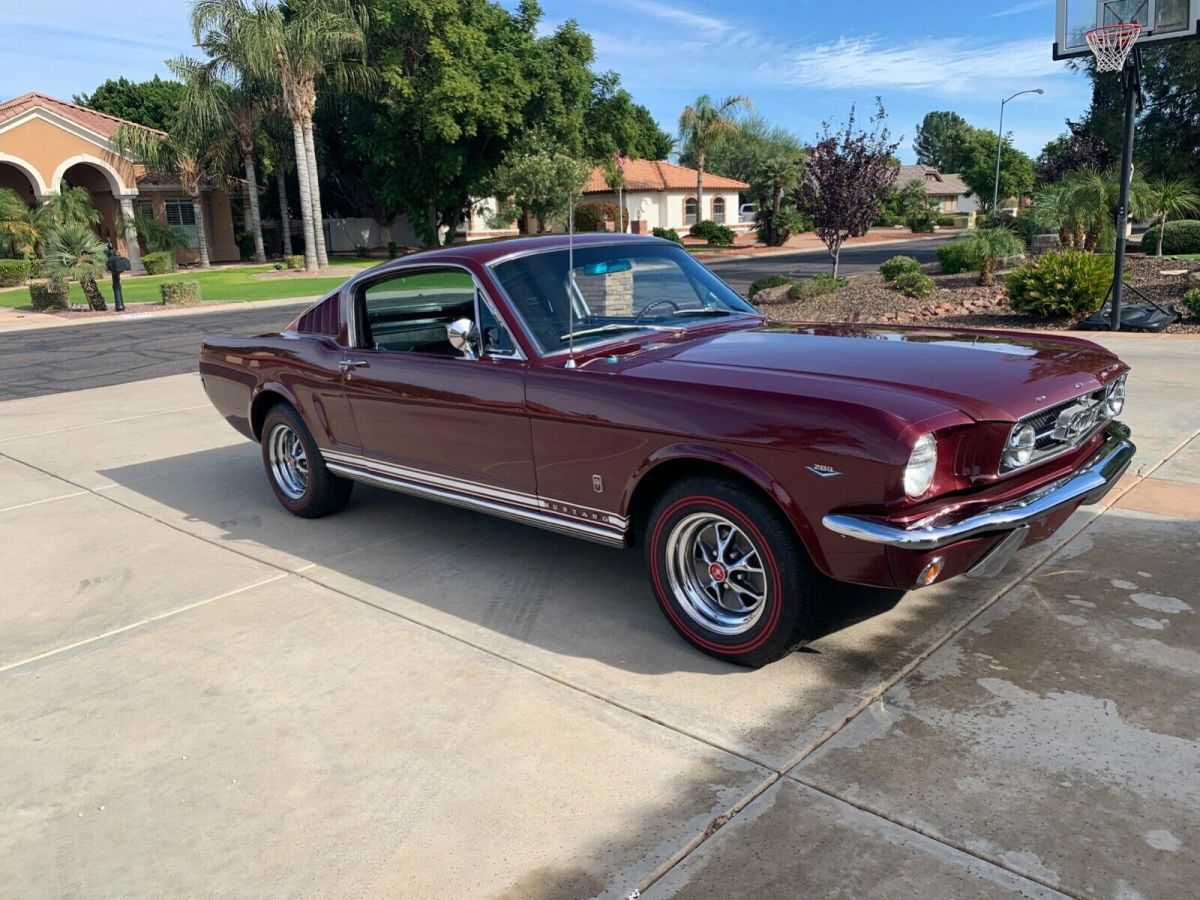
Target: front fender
738,464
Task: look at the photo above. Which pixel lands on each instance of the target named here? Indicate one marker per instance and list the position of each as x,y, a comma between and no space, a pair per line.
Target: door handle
347,364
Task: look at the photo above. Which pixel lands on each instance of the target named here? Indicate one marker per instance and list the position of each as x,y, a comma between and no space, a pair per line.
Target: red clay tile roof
651,175
101,123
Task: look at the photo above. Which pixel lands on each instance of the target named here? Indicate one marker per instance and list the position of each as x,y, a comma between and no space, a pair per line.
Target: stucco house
660,194
45,142
952,195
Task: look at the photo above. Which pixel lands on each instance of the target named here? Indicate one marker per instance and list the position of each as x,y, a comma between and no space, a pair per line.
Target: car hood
989,375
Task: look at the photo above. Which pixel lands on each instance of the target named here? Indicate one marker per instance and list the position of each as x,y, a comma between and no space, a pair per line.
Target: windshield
616,289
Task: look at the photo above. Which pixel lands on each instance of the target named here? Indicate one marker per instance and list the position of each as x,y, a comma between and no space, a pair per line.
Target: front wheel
295,468
729,572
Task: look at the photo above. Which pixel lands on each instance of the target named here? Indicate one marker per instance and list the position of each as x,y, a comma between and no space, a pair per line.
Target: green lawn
219,284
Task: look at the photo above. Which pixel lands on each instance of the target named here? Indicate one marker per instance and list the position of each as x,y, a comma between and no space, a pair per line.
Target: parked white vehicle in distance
746,212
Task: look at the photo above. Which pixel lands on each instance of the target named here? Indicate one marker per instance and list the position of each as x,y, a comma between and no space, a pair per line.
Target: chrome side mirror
462,335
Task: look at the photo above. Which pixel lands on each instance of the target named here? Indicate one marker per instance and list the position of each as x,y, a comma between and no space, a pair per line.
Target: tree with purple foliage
849,174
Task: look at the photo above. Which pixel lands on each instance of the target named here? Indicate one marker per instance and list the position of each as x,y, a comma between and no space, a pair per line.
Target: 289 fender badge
823,471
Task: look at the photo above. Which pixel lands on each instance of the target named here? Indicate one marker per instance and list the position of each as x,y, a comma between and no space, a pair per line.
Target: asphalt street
52,360
738,273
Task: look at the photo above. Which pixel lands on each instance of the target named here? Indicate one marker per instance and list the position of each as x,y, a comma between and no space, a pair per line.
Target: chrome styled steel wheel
716,573
288,461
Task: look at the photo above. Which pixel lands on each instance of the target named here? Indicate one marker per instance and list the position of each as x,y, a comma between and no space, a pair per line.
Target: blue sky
801,61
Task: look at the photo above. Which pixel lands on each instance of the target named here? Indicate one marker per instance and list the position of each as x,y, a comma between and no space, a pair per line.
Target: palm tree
188,151
281,157
16,223
236,109
311,41
990,246
1169,199
700,124
1081,207
74,253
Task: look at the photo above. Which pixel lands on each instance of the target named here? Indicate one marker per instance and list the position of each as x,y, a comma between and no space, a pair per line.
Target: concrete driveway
200,694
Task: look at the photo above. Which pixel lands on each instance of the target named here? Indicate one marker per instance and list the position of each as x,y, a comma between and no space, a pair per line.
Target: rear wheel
729,572
295,468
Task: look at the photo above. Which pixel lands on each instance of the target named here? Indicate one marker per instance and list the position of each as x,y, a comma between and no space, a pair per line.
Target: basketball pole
1131,85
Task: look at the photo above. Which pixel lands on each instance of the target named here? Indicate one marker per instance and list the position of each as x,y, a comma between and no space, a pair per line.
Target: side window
409,313
496,339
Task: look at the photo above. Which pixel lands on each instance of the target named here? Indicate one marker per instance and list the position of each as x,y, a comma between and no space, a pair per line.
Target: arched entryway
100,185
13,178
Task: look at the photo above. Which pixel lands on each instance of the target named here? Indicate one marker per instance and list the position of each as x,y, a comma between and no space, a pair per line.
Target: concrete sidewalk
200,694
12,320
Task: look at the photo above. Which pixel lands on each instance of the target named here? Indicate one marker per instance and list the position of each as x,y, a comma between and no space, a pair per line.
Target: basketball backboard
1161,20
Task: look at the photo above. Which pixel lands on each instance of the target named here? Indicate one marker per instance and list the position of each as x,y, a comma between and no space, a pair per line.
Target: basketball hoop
1112,44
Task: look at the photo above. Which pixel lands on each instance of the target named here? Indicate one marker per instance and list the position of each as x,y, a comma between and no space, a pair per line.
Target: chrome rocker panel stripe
1090,483
591,524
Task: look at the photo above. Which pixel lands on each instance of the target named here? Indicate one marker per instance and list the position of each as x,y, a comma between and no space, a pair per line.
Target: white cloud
1018,8
945,66
677,16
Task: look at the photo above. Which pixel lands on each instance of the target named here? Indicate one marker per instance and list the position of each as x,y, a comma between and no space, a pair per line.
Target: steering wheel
649,306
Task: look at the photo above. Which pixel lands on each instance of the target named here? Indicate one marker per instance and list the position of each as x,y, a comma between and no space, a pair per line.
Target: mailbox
118,263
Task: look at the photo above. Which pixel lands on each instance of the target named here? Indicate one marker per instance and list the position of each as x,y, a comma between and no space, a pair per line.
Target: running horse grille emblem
1076,421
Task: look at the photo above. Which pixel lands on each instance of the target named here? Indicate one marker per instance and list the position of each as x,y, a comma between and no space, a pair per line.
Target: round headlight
1019,449
1114,401
918,474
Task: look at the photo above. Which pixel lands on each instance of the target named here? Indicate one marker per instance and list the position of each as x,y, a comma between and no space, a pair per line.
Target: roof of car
484,252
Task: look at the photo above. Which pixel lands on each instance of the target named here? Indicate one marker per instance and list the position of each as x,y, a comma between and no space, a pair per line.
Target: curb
13,320
788,251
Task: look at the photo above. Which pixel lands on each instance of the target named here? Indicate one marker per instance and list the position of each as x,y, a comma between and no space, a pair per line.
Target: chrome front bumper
1088,484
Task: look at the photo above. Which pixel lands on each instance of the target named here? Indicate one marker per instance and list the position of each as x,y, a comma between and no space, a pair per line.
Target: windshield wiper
697,313
613,326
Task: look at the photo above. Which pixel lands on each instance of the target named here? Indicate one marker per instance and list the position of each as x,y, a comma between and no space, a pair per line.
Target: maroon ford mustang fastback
618,391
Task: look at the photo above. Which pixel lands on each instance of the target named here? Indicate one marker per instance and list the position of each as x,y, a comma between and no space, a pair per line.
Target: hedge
1181,236
1060,283
914,284
160,263
958,256
294,262
668,234
180,291
898,265
768,281
49,295
716,235
595,216
13,272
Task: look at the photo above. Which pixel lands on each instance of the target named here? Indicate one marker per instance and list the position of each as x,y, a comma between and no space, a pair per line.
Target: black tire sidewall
325,493
785,616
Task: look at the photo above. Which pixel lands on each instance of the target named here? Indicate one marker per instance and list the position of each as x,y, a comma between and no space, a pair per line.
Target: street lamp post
1000,145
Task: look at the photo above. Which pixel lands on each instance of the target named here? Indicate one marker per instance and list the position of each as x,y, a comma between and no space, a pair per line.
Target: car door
425,411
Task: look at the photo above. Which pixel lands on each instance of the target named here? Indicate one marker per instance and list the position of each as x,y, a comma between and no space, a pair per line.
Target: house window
689,211
182,215
718,210
143,208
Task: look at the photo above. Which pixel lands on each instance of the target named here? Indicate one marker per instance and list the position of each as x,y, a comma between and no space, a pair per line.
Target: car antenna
571,282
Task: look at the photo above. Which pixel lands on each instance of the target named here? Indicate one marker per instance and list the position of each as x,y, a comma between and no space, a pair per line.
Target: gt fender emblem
823,471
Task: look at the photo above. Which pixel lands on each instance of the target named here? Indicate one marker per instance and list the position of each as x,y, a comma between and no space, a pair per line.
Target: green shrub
914,284
1060,283
180,291
768,281
898,265
362,251
1180,236
50,295
392,250
946,221
160,263
774,228
668,234
595,216
816,286
716,235
958,256
294,262
1191,303
13,272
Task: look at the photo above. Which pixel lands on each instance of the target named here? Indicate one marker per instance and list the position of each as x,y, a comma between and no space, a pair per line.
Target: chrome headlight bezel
921,466
1019,447
1114,398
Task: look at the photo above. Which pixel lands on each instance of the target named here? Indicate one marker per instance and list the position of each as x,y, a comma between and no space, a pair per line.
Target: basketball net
1112,44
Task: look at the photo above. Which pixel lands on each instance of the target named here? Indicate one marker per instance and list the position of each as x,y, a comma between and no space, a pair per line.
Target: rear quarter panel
240,375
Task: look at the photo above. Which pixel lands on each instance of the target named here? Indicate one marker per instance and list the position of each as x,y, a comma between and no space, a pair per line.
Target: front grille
1053,437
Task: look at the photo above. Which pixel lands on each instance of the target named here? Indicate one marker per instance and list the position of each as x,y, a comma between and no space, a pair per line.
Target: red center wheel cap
717,572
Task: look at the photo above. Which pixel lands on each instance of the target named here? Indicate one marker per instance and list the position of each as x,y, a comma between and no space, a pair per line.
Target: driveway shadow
438,563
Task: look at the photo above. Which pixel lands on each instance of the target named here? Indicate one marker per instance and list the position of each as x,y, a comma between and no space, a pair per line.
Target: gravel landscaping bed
960,300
